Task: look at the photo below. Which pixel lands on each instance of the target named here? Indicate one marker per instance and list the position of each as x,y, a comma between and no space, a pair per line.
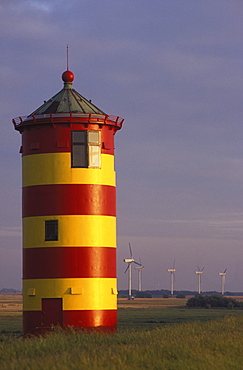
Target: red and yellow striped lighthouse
69,214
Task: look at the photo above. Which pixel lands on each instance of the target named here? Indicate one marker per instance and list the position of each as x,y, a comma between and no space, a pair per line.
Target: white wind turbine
129,262
223,276
199,273
139,268
172,278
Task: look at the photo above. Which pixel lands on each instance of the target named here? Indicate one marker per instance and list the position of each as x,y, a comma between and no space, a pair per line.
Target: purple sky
173,70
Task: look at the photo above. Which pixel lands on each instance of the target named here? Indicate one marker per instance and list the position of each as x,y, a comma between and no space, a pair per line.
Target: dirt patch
11,307
8,297
150,302
11,302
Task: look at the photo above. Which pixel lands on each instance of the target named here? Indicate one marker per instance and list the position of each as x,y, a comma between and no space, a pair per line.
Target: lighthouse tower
69,214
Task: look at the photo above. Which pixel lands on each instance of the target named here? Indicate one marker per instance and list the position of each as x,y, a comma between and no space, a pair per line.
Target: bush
143,295
181,295
165,295
209,301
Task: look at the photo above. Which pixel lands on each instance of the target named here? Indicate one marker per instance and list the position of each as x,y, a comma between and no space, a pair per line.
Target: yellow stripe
96,294
55,168
74,231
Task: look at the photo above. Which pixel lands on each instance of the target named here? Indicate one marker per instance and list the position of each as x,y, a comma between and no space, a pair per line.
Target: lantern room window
85,149
51,230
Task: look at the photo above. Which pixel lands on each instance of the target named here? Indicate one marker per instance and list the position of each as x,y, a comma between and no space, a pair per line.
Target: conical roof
67,100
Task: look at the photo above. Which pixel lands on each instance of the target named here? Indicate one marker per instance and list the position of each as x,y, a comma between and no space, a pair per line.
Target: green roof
67,100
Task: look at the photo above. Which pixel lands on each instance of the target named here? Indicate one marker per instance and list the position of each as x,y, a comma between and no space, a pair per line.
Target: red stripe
105,320
102,320
31,322
57,138
69,262
76,199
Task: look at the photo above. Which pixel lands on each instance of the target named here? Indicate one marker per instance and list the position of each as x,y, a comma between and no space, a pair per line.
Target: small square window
93,137
79,137
51,230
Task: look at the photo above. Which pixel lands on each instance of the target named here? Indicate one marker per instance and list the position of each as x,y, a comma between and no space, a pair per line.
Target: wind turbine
223,275
172,276
129,262
139,268
199,273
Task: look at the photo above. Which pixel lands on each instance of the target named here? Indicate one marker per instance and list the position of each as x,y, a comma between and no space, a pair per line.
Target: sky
173,70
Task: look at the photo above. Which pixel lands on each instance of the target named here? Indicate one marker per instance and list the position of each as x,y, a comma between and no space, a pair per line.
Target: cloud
41,5
10,231
25,27
211,228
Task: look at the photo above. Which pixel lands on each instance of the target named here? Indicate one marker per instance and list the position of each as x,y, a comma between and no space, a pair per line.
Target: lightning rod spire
67,57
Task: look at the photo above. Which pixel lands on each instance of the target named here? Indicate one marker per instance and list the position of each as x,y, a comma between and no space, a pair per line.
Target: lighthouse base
42,322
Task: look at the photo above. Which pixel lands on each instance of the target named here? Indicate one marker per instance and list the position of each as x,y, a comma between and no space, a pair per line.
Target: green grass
152,337
11,323
158,317
216,344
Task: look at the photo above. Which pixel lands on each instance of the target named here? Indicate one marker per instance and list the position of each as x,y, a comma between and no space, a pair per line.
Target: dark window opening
51,230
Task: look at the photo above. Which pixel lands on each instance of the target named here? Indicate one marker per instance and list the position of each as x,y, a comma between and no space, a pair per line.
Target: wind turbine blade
198,268
128,265
130,248
202,269
137,263
225,270
174,264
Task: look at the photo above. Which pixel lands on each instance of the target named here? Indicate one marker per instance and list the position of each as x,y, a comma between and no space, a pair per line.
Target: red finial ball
67,76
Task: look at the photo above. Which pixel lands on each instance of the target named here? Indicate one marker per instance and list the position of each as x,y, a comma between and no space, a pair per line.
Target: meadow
152,334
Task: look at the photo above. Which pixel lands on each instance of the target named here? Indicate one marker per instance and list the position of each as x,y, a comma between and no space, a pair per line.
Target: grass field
152,334
10,314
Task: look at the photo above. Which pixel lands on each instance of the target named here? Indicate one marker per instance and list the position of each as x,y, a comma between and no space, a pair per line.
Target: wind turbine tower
223,276
172,278
129,262
199,273
139,268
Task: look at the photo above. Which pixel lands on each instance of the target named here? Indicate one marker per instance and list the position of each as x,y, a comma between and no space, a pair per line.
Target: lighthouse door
51,312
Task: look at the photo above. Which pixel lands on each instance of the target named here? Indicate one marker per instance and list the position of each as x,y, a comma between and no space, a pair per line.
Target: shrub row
208,301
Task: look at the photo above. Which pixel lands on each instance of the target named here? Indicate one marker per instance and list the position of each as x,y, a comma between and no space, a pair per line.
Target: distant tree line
10,291
165,293
211,301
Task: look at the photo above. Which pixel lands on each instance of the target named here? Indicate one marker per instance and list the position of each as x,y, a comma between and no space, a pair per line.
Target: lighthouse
68,214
